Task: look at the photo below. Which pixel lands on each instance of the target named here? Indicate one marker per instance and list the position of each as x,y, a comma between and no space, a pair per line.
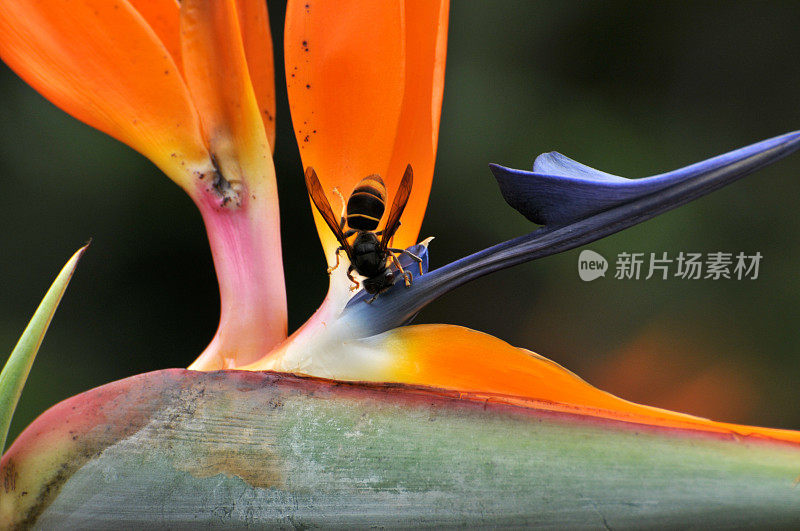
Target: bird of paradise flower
189,85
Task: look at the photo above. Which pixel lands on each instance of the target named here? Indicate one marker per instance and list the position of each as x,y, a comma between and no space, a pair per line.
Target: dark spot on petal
10,476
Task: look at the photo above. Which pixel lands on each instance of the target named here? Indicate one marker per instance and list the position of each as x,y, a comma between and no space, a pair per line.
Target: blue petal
560,190
421,250
583,218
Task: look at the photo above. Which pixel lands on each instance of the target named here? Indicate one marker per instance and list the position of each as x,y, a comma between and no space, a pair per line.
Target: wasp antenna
341,198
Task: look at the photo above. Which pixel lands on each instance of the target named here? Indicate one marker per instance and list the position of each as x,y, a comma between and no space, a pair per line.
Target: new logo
591,265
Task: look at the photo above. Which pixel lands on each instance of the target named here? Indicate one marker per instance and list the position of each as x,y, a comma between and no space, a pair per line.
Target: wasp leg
411,255
334,266
355,285
407,276
350,232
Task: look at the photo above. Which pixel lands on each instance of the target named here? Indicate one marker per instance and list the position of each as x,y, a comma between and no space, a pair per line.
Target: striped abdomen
366,204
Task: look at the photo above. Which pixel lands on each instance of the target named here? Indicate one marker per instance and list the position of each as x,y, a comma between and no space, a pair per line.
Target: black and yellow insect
369,257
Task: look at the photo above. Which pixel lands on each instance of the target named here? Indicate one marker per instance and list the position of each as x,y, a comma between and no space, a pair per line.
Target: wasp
369,257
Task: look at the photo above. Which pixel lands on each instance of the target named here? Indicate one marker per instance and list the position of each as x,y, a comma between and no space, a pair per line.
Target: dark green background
632,89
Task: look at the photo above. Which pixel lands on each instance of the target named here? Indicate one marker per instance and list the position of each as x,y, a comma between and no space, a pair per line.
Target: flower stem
244,234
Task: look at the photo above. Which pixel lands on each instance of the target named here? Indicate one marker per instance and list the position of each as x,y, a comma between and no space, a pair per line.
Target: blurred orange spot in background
682,372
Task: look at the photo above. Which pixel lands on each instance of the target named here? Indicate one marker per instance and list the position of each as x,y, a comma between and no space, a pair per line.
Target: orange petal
163,16
418,132
100,61
345,68
257,41
459,358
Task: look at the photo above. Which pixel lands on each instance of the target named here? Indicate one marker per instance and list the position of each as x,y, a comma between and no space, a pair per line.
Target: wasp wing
398,205
321,202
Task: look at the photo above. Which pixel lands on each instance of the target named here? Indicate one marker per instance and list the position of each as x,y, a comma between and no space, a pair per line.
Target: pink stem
245,243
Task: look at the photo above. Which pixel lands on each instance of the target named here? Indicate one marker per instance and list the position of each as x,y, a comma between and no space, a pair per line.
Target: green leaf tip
18,366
